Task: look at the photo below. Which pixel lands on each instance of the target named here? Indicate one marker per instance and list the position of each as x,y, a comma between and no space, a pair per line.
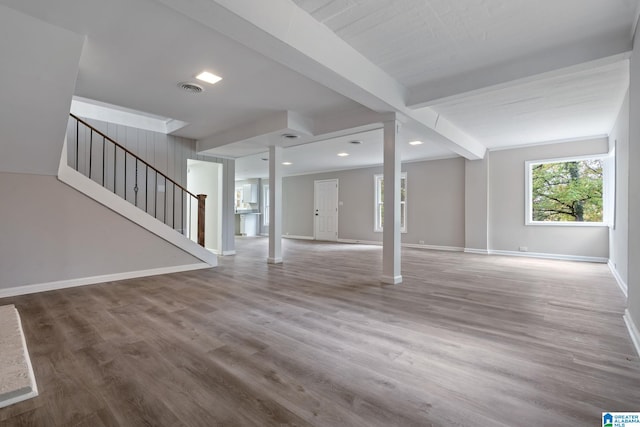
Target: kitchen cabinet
250,193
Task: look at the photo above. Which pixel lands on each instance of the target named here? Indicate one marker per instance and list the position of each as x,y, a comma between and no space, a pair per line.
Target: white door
326,209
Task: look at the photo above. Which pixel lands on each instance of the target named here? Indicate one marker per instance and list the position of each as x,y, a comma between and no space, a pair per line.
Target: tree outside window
379,202
568,191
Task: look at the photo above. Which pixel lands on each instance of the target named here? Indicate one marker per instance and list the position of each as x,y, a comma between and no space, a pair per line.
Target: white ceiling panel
562,107
417,41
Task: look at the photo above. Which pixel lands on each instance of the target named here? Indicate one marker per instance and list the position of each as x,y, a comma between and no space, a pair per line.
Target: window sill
567,224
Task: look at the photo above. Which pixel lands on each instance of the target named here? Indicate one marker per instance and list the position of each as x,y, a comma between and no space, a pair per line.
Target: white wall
634,184
50,232
619,234
507,229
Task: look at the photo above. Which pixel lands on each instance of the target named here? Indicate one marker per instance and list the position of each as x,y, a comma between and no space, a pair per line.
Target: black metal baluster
90,150
125,175
182,211
146,189
173,208
155,197
77,141
190,215
135,188
115,158
164,218
104,174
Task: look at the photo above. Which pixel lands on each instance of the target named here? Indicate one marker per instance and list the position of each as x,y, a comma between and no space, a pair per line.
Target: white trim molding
294,237
84,281
404,245
634,333
476,251
391,280
562,257
621,284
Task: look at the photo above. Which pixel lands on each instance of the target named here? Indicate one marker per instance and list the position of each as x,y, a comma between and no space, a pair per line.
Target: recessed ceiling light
416,143
355,141
264,158
290,135
208,77
287,163
343,154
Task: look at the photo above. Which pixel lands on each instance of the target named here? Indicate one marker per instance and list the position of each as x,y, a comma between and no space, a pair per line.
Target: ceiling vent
190,87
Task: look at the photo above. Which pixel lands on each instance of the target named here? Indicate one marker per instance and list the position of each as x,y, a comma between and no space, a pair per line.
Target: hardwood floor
466,340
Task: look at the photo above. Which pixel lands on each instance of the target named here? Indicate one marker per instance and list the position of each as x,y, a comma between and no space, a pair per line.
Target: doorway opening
206,178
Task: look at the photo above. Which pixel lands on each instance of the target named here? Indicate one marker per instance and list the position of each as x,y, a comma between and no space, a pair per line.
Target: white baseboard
433,247
404,245
227,253
97,192
550,256
634,333
476,251
83,281
391,280
360,242
274,260
293,236
621,284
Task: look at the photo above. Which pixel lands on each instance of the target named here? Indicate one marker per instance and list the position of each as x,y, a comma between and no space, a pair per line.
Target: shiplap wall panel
167,153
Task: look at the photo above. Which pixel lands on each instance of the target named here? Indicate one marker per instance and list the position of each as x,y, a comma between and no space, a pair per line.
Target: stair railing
105,161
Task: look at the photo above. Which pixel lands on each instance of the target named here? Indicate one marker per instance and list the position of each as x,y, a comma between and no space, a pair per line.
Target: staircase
105,170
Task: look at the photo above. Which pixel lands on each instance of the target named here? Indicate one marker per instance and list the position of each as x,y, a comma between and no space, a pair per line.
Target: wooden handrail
132,154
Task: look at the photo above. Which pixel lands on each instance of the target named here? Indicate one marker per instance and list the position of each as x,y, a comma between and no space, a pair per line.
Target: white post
391,273
275,205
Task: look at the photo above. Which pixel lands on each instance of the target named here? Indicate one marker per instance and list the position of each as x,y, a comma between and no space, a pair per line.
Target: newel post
201,199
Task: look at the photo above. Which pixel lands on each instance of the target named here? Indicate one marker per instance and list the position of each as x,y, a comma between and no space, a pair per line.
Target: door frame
315,204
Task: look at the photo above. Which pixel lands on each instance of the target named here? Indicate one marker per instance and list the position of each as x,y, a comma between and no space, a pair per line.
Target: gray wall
435,203
476,204
634,184
51,232
507,203
619,234
38,70
167,153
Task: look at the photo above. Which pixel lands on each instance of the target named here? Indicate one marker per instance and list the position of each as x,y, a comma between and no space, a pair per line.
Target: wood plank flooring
466,340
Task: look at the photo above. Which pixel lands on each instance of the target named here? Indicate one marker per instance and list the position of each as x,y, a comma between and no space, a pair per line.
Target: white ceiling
467,74
418,41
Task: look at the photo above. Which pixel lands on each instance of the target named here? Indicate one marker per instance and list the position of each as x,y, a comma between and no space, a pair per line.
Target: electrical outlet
523,249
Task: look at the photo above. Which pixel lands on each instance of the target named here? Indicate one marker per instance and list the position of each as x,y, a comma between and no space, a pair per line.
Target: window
567,191
379,200
265,204
239,197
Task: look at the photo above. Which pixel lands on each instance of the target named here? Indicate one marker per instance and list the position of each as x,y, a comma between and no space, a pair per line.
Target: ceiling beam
282,31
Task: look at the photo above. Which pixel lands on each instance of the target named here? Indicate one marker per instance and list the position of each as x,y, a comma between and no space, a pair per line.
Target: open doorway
206,178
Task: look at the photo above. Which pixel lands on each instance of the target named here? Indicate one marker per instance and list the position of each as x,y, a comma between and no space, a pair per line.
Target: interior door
326,210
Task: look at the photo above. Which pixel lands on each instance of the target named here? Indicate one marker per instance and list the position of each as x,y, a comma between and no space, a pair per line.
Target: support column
391,273
275,205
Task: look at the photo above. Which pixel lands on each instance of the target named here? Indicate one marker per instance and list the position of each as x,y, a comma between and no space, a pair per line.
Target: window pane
402,215
567,191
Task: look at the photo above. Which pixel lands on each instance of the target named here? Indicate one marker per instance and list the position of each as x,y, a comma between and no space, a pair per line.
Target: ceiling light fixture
208,77
287,163
343,154
416,143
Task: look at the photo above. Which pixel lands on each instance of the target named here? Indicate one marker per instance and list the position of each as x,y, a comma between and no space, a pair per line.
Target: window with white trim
569,191
265,204
379,202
